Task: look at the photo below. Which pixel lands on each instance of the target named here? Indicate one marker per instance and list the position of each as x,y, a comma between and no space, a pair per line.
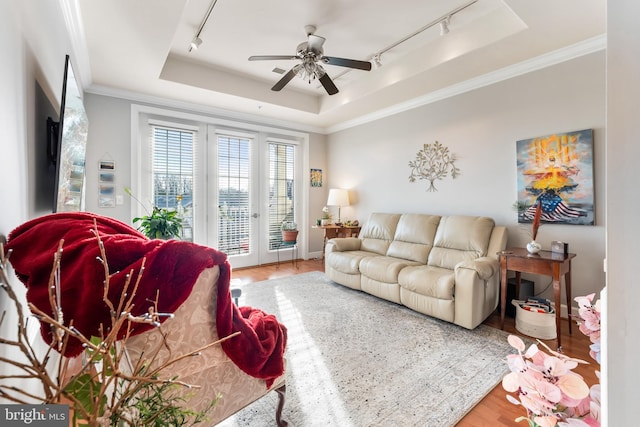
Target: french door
253,181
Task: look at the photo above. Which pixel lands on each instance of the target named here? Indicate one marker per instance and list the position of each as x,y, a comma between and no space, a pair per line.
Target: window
234,177
233,182
281,189
172,173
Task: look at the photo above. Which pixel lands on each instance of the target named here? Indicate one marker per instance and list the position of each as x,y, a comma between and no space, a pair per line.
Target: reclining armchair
187,280
213,372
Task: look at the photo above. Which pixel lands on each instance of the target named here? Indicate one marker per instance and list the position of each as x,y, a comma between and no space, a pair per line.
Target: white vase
324,221
534,247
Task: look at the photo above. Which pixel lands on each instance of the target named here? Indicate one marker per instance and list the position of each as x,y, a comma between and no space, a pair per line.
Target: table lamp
338,197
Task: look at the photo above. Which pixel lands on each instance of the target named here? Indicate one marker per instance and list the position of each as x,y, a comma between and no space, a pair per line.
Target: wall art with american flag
557,172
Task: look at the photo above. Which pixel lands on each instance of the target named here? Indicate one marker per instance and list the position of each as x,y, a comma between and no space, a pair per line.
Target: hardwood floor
494,410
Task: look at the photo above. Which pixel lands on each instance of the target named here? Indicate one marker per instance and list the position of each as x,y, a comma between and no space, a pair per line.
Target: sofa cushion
378,232
383,268
347,262
427,280
460,238
414,237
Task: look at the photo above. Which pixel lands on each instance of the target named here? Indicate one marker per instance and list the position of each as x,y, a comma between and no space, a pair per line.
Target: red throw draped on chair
171,269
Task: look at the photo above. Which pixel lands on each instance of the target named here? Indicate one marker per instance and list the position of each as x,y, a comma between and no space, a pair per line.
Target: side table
545,263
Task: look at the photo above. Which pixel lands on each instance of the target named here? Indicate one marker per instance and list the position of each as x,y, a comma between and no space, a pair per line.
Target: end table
545,263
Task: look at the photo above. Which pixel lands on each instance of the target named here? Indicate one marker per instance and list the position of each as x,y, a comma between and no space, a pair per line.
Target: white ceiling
140,48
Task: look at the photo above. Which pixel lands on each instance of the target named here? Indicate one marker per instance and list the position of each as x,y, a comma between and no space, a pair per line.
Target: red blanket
171,266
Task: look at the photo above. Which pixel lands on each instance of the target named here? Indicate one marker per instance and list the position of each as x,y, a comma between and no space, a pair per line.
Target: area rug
356,360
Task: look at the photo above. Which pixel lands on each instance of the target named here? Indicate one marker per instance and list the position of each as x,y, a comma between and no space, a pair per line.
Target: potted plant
289,231
160,224
326,216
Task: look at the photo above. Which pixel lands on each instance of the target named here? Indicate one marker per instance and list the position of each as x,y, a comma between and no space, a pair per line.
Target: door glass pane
173,174
234,174
281,190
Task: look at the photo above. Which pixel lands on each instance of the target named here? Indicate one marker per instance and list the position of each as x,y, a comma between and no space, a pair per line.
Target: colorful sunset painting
557,172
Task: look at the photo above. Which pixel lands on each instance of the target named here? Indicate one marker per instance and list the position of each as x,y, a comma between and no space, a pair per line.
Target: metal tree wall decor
433,162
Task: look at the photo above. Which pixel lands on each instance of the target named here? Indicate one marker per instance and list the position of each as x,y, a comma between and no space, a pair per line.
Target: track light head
444,26
195,43
376,61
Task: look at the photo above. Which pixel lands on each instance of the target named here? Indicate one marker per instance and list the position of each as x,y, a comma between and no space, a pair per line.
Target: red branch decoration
536,220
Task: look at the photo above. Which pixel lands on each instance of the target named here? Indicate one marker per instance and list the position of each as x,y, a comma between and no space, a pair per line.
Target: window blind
281,189
172,173
234,177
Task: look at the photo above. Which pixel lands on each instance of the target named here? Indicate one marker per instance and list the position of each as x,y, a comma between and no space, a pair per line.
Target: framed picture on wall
316,177
557,172
107,165
106,184
106,196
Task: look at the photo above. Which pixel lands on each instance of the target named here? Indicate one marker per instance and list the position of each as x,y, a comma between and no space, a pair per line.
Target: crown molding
558,56
80,52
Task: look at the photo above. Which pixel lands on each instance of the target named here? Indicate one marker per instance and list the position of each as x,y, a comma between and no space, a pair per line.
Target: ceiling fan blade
350,63
328,84
284,80
271,57
315,43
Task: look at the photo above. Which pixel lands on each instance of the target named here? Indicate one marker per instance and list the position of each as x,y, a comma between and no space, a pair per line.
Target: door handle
255,215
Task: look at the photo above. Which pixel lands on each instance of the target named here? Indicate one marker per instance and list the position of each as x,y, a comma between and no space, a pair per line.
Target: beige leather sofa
212,372
442,266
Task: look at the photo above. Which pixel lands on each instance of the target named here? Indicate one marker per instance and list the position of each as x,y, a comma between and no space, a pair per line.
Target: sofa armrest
477,288
343,244
484,267
498,241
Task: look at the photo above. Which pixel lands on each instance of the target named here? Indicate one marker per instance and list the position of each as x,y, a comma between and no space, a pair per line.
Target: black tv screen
70,146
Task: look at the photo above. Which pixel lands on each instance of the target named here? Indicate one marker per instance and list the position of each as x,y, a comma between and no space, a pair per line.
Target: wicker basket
537,325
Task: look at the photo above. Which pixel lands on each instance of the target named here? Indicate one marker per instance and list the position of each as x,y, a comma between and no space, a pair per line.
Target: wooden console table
332,230
544,262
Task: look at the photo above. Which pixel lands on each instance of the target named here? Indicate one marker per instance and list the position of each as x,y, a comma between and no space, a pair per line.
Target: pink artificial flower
573,422
573,386
591,422
594,407
590,315
547,421
545,384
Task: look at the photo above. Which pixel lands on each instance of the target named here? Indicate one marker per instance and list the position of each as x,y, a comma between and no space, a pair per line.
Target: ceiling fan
312,56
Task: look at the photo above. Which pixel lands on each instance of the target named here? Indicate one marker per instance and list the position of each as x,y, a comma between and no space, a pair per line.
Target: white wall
317,195
13,119
33,43
109,139
623,204
481,127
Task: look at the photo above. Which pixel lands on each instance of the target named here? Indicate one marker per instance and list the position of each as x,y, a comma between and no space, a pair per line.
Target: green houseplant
289,231
160,224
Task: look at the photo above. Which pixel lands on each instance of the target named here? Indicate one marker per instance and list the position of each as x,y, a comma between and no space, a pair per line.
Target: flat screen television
67,145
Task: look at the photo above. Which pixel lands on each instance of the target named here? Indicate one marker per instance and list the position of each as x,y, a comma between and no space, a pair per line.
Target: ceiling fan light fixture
311,55
309,70
195,43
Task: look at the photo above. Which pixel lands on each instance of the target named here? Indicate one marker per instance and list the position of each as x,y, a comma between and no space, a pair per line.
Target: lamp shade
338,197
